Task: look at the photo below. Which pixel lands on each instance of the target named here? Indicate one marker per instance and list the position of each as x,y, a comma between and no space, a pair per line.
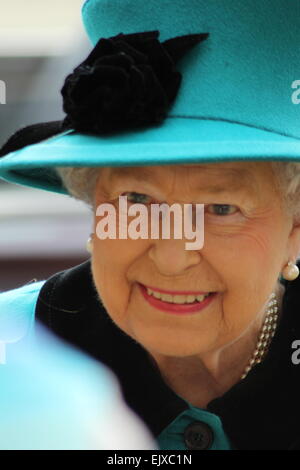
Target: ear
294,242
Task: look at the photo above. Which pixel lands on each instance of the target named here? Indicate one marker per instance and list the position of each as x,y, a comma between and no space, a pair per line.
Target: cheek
268,243
109,265
248,263
258,244
112,263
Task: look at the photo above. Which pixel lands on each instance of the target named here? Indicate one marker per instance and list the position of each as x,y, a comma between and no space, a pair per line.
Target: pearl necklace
266,334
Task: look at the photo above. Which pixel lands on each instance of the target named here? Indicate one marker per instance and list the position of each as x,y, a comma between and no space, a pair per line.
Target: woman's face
248,238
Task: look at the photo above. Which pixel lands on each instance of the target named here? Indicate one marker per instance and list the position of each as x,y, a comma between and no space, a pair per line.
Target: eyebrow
236,179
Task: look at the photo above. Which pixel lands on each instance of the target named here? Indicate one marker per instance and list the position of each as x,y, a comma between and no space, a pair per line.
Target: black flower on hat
127,81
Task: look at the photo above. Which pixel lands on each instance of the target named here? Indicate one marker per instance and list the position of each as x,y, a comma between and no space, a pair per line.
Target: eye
223,209
137,198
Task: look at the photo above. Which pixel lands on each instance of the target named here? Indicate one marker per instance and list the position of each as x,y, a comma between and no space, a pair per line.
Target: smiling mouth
176,297
183,303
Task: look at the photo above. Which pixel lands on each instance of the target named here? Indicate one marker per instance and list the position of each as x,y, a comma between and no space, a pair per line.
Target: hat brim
176,141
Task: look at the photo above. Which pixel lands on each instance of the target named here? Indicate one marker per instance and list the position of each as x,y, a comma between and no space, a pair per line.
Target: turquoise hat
170,82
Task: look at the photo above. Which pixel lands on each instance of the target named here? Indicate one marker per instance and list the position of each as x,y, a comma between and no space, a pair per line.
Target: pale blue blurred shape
53,396
17,308
49,398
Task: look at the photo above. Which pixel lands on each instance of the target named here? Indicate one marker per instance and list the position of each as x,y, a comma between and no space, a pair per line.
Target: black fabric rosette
127,81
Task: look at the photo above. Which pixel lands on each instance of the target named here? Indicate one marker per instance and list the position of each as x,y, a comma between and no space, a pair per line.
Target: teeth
166,297
156,295
177,299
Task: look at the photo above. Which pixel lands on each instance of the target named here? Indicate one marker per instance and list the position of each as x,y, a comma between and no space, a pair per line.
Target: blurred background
40,43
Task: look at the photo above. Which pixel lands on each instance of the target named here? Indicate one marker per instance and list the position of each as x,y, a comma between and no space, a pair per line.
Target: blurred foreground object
53,397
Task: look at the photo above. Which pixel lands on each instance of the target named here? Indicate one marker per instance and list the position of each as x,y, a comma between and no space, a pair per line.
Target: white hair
80,182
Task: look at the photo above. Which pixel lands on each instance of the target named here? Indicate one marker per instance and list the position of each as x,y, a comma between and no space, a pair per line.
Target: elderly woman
192,103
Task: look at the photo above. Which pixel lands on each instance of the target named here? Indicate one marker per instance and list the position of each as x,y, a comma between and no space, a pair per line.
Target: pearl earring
290,271
89,244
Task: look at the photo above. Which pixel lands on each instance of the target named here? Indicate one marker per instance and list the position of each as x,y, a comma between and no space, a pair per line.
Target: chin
172,344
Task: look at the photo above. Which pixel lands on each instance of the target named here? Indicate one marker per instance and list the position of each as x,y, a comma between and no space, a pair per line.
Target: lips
178,309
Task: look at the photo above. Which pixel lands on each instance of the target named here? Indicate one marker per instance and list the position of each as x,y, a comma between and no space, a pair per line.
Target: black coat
260,412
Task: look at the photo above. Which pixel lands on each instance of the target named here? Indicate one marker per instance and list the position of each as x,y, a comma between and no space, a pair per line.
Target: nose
171,257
